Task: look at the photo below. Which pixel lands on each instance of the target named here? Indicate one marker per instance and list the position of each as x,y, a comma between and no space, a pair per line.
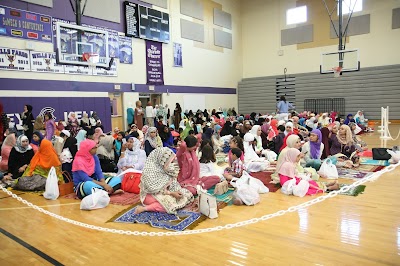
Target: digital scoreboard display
146,23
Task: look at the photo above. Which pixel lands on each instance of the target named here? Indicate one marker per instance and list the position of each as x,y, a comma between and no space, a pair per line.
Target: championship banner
14,59
154,63
45,63
125,50
177,54
25,25
108,73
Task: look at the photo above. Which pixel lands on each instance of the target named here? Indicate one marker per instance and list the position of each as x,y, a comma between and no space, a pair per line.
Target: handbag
380,154
328,170
31,183
130,182
66,188
51,191
221,188
208,205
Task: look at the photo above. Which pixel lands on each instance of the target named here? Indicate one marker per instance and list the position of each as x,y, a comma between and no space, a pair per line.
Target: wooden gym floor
345,230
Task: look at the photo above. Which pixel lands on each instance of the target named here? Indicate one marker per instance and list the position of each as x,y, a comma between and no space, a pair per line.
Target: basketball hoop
91,59
337,71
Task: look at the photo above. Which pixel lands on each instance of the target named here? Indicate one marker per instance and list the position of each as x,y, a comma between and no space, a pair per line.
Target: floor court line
30,247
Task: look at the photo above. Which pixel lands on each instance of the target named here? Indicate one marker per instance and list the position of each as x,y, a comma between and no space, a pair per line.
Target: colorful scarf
315,147
19,148
46,157
156,141
84,160
288,167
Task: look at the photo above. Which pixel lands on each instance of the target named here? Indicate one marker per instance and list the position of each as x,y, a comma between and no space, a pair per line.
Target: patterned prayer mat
354,191
370,161
352,174
265,177
179,222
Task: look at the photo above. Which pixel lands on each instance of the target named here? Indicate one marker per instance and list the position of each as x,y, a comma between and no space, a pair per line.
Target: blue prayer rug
179,222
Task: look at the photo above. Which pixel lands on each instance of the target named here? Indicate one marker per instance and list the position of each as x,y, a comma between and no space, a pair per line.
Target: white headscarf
249,153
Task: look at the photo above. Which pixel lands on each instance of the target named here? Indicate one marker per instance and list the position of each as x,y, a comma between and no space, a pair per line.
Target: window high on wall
296,15
349,5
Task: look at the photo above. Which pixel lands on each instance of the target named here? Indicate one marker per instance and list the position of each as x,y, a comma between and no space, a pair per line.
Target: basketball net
337,71
91,59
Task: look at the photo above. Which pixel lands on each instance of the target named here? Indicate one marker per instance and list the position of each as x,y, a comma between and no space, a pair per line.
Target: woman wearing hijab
256,132
73,124
39,124
43,160
159,187
291,141
81,136
37,138
287,171
105,152
20,157
87,174
133,156
189,174
312,150
86,125
252,161
8,144
326,133
343,143
27,121
98,132
226,129
177,115
349,119
166,138
152,141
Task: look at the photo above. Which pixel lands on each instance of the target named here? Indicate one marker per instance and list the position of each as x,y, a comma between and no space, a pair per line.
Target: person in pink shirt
189,165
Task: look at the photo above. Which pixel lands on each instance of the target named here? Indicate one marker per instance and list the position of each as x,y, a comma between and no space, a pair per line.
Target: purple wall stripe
63,85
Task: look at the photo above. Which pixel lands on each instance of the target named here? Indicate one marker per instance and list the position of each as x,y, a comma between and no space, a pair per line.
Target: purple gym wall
14,106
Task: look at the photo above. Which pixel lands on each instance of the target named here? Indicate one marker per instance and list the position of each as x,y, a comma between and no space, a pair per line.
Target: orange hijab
46,157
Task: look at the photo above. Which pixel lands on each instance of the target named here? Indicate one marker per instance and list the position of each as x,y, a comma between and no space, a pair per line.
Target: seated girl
207,162
312,150
189,174
159,188
41,163
252,161
20,157
166,137
87,174
287,171
105,152
343,143
153,141
133,157
6,148
37,138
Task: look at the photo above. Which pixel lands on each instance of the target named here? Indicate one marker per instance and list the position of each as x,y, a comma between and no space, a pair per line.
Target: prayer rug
265,177
175,222
369,161
354,191
352,174
224,198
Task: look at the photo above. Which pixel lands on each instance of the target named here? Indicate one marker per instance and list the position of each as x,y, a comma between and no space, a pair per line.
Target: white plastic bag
97,200
270,155
247,194
51,192
328,170
66,156
300,190
287,187
208,205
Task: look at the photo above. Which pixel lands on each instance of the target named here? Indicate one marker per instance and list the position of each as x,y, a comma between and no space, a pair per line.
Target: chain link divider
372,177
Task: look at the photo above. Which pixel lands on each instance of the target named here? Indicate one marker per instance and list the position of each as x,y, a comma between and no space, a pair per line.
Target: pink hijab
97,133
83,160
288,167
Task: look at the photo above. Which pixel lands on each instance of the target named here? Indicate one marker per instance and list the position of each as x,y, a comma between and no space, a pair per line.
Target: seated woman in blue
166,137
87,174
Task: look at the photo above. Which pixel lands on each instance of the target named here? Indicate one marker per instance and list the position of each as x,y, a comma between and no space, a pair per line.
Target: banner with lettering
78,70
25,24
125,50
45,63
14,59
154,63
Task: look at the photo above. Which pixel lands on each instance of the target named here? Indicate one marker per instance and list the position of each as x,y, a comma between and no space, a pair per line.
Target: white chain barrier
372,177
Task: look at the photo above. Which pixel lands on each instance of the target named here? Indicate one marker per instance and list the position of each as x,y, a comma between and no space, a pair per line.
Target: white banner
45,62
14,59
77,70
103,72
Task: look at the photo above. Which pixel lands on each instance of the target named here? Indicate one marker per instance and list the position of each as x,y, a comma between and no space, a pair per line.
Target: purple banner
125,50
25,25
59,107
154,63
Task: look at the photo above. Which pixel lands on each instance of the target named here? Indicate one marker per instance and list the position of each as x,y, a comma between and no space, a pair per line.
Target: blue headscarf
348,120
37,143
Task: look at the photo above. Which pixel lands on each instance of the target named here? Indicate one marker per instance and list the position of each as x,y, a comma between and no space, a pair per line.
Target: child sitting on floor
237,167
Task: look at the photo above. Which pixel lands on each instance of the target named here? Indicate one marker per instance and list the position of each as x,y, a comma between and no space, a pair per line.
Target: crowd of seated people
182,155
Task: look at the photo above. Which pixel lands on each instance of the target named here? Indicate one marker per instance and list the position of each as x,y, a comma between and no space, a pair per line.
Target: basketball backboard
330,61
74,41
